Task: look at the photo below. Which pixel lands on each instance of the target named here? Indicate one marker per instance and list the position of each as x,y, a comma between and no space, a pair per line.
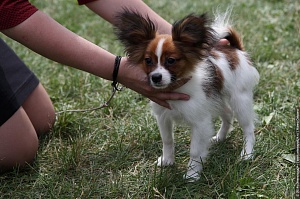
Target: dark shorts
17,82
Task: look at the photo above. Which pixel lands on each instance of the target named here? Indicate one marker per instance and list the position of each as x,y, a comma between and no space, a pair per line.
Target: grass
110,153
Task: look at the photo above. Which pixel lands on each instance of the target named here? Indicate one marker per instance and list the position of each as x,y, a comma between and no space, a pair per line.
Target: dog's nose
156,77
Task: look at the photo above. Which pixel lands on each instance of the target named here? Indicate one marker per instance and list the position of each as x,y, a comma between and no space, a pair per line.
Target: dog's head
165,58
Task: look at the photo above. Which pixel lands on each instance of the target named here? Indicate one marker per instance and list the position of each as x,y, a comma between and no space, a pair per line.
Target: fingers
171,96
162,98
161,103
224,42
177,84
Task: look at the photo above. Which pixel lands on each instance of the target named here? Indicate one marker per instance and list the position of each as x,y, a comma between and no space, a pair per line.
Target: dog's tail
221,25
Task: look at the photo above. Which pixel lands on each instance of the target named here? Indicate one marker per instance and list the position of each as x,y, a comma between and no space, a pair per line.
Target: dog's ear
192,34
135,32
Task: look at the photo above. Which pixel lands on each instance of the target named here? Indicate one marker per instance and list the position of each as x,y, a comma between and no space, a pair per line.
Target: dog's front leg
200,143
166,132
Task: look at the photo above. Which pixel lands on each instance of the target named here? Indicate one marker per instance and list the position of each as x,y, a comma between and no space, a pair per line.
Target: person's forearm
108,9
45,36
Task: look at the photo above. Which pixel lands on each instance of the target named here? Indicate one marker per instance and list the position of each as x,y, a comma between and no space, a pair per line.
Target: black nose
156,77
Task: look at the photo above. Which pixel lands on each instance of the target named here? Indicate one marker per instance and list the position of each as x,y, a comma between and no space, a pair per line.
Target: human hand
223,42
136,79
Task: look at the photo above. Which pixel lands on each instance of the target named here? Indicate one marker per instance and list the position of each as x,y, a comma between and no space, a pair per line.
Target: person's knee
19,156
40,110
47,121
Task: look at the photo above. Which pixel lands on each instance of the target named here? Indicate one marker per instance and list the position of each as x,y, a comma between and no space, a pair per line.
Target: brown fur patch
230,51
218,79
235,40
135,32
230,54
183,65
214,84
193,36
214,54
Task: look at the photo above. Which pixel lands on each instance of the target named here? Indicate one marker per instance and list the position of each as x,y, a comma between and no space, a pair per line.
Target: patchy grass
110,153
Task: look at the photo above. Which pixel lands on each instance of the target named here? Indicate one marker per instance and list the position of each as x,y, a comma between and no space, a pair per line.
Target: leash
115,88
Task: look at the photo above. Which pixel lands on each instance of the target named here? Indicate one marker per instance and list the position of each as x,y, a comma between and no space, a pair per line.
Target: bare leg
19,134
40,110
18,141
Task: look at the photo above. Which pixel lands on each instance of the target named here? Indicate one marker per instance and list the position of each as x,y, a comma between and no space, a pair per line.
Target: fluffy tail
221,25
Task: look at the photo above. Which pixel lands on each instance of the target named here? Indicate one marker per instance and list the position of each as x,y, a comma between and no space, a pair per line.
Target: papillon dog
222,79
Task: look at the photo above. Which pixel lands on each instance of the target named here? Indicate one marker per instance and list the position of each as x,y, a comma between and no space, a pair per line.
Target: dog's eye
170,61
148,61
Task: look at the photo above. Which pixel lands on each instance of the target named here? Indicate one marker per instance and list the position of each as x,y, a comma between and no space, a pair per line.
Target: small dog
222,83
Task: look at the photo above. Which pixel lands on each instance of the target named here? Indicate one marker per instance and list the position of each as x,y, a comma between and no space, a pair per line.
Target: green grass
110,153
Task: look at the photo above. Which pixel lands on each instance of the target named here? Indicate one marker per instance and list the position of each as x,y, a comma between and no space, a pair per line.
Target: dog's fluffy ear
193,35
135,32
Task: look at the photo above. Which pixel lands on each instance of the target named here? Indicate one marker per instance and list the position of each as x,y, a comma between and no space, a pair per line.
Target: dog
222,83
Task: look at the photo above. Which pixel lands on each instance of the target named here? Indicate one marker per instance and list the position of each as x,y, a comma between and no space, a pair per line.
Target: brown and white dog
223,79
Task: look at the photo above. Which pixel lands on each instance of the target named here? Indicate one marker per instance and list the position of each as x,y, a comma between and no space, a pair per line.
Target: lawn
110,153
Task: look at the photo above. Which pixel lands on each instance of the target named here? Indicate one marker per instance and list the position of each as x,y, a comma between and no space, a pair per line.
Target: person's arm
107,9
47,37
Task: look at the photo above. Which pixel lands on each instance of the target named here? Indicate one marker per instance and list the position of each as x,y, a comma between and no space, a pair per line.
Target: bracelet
115,73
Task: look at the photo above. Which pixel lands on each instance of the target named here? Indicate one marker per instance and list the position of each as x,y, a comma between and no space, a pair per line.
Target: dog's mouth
158,85
158,81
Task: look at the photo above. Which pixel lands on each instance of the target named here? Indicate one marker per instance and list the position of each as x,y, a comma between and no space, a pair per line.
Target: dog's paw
215,139
164,161
246,156
194,170
192,176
